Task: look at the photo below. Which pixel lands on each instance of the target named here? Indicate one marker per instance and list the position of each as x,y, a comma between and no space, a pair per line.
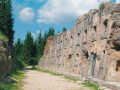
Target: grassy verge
71,79
3,36
45,71
94,87
18,75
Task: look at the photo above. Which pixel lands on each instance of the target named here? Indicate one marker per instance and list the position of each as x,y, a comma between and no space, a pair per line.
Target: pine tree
35,48
40,44
3,16
18,47
10,22
44,38
28,48
51,32
64,29
6,20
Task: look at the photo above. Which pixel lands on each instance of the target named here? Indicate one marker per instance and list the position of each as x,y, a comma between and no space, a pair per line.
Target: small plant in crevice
88,84
80,30
101,6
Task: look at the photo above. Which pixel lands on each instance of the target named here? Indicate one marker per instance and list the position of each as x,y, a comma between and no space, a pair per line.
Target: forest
31,50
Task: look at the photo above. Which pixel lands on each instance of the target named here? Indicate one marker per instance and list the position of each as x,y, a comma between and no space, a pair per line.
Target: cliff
7,61
90,49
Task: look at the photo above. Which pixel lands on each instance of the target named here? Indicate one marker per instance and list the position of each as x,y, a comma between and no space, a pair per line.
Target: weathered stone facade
91,48
7,62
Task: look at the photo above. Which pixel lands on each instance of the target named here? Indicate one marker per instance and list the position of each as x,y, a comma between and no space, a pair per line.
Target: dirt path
43,81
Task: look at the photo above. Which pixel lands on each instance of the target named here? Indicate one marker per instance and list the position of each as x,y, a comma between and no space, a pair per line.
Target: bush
1,87
3,36
19,63
33,61
101,6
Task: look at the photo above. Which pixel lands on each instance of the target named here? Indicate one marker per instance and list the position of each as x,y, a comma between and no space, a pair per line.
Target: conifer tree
6,20
40,44
18,48
64,29
28,47
51,32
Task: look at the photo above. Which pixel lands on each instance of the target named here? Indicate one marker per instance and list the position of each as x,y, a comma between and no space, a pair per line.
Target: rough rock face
91,48
7,62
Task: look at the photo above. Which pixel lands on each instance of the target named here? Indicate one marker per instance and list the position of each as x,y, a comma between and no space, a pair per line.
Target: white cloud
38,31
26,14
117,1
65,11
33,35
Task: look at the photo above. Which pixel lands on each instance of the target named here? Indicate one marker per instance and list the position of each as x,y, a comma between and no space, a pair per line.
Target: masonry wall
91,48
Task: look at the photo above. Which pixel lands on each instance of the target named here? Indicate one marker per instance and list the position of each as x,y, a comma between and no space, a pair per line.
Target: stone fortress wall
90,49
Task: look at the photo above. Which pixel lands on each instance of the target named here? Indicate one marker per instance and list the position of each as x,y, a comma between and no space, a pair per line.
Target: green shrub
1,87
33,61
3,36
95,87
19,63
101,6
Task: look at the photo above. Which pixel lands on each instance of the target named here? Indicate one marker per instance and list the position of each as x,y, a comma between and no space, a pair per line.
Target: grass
18,75
3,36
71,79
45,71
94,87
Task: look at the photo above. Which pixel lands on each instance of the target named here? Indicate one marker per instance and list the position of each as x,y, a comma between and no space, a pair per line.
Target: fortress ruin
90,49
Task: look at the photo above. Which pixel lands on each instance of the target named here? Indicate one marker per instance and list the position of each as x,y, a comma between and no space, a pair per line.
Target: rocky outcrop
90,49
7,61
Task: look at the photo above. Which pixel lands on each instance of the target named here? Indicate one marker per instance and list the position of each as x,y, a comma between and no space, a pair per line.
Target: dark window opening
114,25
66,39
78,34
106,23
86,54
69,57
61,41
116,46
118,66
68,63
71,37
78,55
95,28
86,32
104,51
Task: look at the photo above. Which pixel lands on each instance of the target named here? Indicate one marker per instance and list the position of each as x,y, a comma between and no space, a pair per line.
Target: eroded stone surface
7,62
91,48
